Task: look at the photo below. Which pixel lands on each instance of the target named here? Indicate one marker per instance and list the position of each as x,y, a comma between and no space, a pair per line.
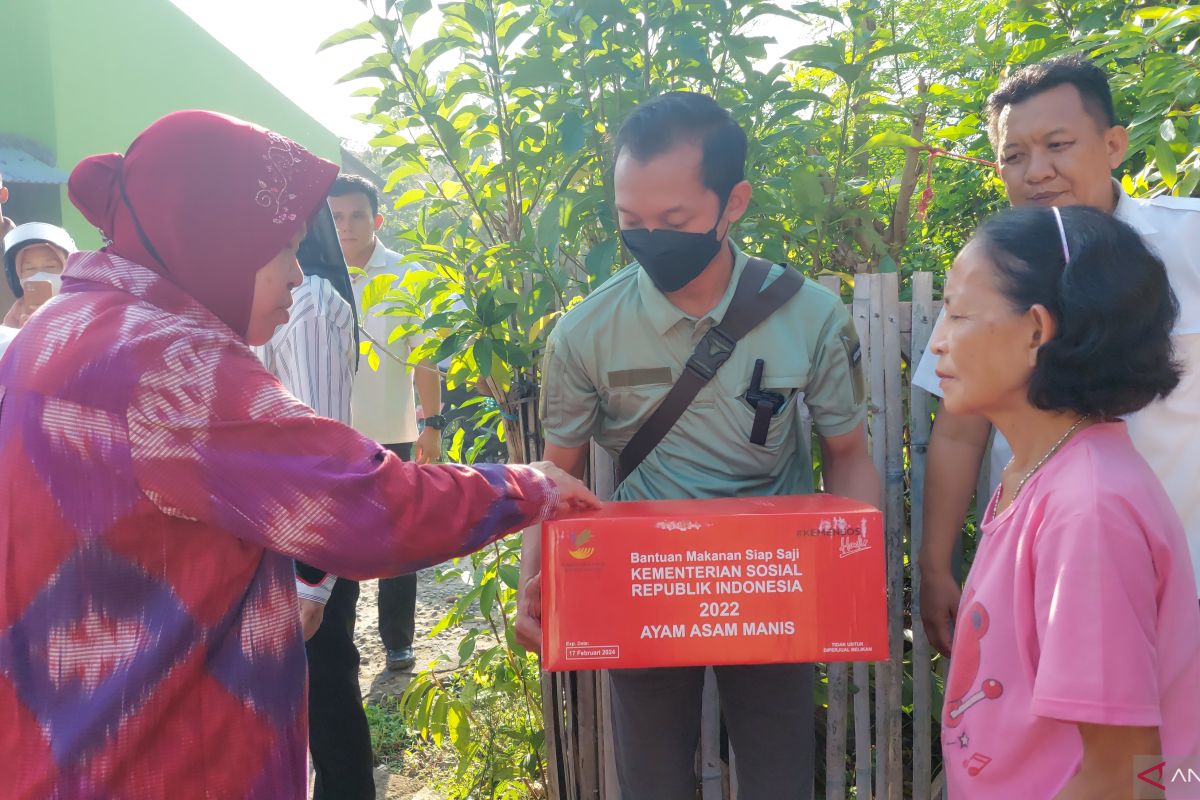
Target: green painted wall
26,96
86,76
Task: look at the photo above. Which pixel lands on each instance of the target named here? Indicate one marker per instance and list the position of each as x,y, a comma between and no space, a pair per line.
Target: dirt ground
433,599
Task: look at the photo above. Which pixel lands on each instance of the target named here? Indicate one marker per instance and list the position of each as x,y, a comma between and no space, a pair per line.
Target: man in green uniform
680,187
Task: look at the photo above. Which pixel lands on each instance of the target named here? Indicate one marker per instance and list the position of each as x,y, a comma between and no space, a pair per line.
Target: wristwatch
437,422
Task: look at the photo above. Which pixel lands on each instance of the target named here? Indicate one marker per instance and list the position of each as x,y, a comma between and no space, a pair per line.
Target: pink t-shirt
1079,608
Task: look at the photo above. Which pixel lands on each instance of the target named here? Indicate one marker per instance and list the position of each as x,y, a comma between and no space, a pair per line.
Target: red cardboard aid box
752,580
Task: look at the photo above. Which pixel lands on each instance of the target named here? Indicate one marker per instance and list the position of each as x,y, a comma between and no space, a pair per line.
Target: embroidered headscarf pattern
282,160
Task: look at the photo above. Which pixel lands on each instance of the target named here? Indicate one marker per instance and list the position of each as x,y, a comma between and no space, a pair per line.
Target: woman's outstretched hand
572,494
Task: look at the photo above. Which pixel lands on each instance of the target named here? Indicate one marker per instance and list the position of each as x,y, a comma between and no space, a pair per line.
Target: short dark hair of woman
1112,305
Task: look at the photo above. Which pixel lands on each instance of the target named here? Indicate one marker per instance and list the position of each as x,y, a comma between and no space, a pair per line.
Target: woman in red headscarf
158,482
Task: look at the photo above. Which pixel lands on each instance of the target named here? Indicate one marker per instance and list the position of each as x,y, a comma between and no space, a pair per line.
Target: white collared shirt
384,400
1167,432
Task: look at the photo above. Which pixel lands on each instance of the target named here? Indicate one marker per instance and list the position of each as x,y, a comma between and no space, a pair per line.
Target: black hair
349,184
1089,80
1112,305
658,125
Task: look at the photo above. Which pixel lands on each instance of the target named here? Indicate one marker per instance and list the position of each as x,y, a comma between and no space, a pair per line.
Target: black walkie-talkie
765,403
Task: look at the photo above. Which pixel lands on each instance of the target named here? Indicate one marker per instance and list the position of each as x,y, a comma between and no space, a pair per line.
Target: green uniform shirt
613,358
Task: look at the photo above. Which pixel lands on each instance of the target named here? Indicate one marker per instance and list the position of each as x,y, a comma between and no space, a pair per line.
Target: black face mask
673,259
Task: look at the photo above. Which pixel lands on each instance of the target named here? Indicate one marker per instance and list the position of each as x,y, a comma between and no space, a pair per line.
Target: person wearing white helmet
34,256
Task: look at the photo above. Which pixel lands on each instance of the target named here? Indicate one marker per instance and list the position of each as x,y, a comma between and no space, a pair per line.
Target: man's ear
378,221
3,194
1116,142
739,201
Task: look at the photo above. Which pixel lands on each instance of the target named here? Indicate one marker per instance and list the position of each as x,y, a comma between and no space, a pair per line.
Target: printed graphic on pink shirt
964,689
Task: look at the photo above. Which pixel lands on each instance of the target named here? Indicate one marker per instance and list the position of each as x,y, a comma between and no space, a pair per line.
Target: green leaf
819,9
535,330
1188,184
1166,162
510,574
439,320
513,26
449,136
487,598
459,727
817,54
408,198
482,350
449,346
889,139
549,228
806,188
363,30
466,648
894,49
1166,131
375,290
376,66
455,449
571,134
759,11
476,17
406,170
599,260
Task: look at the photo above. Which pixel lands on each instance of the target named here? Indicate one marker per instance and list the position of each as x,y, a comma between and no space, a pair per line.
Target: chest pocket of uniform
633,394
783,421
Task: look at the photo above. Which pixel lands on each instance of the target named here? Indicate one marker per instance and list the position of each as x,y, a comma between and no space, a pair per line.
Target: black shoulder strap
748,308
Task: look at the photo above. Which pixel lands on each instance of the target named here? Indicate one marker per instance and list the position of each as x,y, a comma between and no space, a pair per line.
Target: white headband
1062,234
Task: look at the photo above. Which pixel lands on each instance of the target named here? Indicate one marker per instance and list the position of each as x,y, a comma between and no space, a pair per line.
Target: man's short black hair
349,184
1089,80
657,125
1112,303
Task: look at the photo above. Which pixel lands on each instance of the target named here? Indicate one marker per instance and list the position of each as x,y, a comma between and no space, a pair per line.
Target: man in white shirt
314,356
384,405
1057,142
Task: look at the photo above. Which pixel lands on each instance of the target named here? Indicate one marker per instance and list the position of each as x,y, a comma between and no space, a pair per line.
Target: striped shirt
313,356
313,353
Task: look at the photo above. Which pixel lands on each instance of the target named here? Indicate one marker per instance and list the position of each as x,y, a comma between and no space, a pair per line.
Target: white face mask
53,278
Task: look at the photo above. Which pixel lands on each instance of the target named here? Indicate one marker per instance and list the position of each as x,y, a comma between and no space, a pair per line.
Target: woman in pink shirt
1076,660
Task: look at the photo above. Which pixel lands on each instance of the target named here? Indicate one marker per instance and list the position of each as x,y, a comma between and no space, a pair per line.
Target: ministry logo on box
1156,777
576,551
579,549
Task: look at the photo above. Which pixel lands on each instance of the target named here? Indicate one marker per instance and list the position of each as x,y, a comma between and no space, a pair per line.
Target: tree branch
897,233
